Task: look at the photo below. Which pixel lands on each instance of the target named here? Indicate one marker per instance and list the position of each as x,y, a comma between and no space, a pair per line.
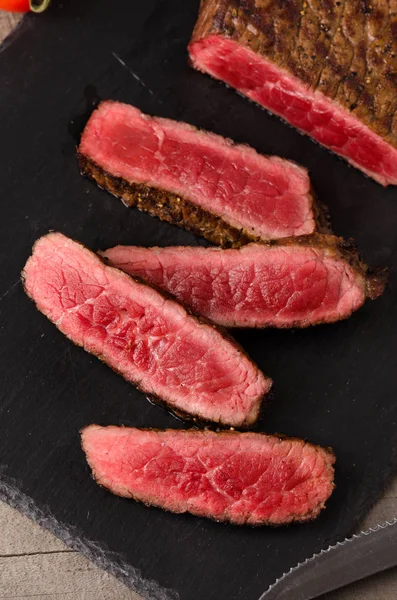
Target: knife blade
355,558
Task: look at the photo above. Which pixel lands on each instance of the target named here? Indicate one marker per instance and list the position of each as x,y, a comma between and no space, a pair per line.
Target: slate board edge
11,492
14,33
115,564
102,558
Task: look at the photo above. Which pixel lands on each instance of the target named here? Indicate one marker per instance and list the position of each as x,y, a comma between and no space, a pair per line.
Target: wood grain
35,564
7,22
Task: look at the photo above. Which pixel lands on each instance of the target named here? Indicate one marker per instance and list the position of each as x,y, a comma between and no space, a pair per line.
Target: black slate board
335,385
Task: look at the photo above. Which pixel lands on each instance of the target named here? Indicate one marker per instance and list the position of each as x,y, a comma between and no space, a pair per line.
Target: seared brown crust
310,516
345,49
167,207
177,210
321,215
344,250
376,282
203,321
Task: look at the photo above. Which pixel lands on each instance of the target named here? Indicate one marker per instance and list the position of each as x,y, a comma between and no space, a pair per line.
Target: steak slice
225,192
243,478
149,339
327,68
289,283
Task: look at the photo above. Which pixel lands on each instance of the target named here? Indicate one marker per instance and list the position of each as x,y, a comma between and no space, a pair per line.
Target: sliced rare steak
327,68
149,339
227,193
295,282
243,478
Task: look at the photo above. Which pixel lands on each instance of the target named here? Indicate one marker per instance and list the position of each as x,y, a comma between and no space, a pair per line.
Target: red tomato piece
15,5
24,5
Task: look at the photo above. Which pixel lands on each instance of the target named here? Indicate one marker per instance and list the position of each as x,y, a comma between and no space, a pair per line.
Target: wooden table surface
35,564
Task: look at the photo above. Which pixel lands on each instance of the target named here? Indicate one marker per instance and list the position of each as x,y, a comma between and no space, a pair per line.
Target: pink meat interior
148,339
255,286
244,478
267,197
285,95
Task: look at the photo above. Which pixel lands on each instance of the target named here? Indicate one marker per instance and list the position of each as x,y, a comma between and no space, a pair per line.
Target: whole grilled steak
328,68
225,192
244,478
150,340
289,283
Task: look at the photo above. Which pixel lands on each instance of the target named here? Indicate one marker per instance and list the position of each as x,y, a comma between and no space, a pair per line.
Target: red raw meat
243,478
150,340
195,179
289,283
327,69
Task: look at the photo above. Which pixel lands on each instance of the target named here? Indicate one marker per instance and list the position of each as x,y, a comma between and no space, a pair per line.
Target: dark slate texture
334,385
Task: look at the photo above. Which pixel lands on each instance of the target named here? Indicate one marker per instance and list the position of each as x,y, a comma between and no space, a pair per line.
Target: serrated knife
360,556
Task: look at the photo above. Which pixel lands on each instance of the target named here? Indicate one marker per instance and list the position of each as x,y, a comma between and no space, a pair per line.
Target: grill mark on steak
330,71
353,89
346,51
290,283
241,478
238,15
223,191
150,340
310,29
